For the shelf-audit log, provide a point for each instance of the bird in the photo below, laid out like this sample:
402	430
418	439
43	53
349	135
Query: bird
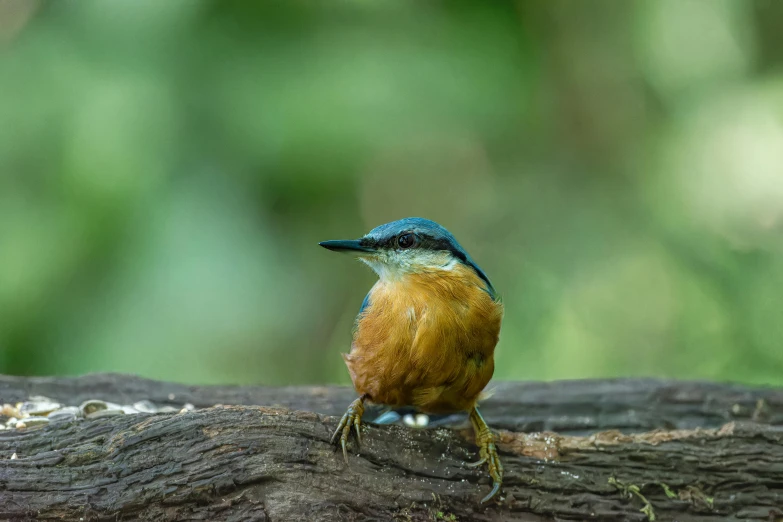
426	332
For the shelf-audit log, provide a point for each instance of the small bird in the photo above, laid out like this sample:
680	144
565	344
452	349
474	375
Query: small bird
426	333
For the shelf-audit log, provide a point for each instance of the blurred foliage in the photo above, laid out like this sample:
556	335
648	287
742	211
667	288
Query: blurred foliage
167	168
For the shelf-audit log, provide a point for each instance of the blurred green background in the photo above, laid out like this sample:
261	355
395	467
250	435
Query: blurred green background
168	167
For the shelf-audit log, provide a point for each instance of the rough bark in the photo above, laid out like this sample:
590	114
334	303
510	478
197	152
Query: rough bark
567	407
268	462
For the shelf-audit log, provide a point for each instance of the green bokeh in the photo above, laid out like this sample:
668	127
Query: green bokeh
167	169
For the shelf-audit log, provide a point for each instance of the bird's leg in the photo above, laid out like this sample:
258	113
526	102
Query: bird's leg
352	417
485	440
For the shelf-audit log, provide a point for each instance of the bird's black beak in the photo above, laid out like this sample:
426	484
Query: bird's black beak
346	245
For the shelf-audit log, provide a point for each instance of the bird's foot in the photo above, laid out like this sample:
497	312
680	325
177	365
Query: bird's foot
352	418
488	452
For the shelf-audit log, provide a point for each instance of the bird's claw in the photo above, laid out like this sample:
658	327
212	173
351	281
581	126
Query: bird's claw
352	418
475	464
488	454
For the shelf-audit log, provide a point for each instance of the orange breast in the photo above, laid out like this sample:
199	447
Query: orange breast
426	340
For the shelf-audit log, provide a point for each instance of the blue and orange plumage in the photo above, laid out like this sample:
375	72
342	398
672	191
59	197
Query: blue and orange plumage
426	333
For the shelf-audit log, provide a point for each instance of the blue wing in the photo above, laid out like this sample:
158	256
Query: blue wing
365	303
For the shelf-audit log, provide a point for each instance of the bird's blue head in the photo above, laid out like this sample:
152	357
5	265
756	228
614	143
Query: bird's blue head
410	245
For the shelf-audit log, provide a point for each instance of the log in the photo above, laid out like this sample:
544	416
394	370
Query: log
623	450
568	407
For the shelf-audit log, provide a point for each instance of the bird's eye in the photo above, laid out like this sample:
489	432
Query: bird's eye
406	240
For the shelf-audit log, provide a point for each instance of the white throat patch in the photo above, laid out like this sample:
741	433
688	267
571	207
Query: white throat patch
395	264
